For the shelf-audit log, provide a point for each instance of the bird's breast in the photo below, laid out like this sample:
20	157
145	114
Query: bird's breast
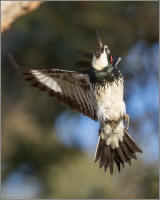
109	98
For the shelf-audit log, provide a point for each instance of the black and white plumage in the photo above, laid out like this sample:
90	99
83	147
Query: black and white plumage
97	93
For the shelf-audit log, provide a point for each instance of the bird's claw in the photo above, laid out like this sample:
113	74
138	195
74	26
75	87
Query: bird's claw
126	118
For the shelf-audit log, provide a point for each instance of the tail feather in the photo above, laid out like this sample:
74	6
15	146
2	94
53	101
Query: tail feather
118	163
118	160
130	143
111	160
124	153
100	147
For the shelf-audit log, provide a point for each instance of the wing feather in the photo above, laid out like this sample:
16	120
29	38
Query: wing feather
69	87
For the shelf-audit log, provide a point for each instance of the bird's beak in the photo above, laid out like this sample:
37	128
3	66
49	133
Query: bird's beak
100	46
99	40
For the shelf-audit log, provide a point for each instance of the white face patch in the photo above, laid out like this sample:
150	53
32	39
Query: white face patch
101	62
46	80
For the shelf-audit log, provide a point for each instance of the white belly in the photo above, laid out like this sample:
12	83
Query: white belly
110	104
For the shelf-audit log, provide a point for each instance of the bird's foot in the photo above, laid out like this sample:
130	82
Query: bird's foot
126	118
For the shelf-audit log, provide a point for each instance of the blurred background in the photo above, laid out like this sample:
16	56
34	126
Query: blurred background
48	149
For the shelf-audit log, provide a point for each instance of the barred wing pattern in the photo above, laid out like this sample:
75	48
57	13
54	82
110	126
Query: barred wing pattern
69	87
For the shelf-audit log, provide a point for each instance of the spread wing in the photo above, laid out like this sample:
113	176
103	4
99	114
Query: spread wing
70	88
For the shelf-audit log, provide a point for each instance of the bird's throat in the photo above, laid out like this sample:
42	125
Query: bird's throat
107	74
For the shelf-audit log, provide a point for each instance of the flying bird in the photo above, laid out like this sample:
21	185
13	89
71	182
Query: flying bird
96	92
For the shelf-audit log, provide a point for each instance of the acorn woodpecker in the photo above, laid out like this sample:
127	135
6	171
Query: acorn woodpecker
96	92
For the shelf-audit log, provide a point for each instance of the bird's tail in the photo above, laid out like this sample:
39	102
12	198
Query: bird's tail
124	153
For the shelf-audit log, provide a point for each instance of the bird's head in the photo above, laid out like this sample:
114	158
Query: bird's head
101	57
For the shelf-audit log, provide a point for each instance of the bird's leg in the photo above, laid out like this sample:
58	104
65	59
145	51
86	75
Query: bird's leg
126	118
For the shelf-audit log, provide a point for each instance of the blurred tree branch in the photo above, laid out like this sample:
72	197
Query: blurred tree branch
11	10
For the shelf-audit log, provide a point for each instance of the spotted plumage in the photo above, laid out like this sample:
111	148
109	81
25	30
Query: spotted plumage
96	92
